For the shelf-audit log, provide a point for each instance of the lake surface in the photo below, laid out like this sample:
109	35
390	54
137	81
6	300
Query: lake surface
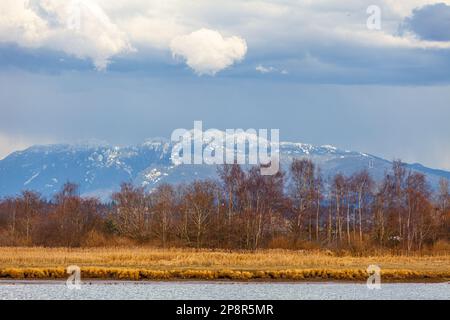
221	290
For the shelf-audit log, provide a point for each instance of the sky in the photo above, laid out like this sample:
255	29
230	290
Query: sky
371	76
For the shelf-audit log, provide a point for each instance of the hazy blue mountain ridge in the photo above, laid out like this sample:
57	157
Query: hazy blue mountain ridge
99	169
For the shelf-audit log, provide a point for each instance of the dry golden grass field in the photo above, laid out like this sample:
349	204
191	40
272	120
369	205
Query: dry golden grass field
143	263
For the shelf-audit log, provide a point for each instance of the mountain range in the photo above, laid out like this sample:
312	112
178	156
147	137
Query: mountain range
99	168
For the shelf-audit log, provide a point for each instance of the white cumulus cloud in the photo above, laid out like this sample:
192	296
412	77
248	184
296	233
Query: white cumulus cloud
207	51
79	27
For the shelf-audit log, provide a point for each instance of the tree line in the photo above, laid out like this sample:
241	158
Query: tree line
243	210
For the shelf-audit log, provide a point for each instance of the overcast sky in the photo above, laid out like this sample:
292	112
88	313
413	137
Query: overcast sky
123	71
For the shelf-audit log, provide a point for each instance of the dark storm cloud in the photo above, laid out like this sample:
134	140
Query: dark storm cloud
430	22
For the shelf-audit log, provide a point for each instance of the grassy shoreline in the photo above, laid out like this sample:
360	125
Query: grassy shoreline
353	275
152	264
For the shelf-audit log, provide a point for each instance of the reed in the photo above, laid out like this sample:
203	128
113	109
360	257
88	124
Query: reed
145	263
288	275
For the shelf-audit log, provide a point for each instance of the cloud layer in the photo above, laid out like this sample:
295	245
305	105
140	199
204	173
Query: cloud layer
322	40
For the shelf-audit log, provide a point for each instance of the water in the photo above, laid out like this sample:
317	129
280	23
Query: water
221	290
